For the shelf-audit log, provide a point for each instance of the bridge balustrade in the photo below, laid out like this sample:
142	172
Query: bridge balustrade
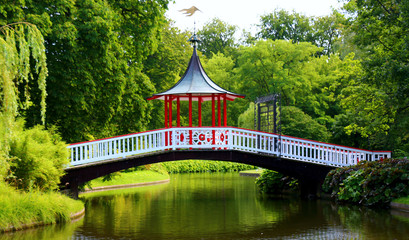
218	139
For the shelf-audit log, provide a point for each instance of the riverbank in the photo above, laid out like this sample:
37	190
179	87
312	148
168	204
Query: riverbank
401	204
21	210
251	173
128	179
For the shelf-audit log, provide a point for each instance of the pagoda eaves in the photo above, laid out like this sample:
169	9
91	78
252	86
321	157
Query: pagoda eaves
197	84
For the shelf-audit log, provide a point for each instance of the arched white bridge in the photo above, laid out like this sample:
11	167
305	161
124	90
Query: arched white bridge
218	139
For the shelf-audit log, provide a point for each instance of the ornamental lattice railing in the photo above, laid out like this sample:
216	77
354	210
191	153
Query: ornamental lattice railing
218	139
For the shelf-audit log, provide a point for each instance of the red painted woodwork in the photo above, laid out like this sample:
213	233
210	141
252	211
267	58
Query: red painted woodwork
219	112
200	111
166	111
178	111
225	110
170	111
213	112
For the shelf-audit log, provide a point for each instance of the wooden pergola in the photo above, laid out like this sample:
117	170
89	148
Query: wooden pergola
195	85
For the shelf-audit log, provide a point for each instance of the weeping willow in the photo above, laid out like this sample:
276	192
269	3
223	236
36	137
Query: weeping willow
22	53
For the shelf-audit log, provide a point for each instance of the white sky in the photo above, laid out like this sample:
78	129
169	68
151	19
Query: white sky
243	13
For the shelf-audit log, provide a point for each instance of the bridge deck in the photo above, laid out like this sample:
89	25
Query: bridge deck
220	138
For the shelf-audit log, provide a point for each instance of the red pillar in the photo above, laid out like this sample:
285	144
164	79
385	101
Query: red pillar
219	112
178	111
166	111
200	110
190	120
213	120
166	120
225	109
170	110
213	111
190	110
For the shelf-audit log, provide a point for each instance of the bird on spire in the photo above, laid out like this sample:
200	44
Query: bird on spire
189	11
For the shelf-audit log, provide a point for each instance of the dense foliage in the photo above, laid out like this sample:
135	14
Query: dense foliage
192	166
321	31
23	70
37	158
271	182
95	52
380	107
217	37
370	183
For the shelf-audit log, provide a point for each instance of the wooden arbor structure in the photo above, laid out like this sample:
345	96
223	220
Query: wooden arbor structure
195	85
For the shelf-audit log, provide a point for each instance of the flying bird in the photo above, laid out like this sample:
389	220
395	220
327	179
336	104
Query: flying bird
189	11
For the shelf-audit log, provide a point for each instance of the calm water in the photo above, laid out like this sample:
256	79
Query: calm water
218	206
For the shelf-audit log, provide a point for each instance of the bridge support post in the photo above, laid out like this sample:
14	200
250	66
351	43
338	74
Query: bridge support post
309	189
72	190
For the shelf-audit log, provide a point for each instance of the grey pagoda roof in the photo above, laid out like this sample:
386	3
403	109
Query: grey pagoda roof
195	82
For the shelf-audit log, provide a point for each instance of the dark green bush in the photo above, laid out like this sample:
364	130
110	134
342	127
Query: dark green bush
273	182
369	183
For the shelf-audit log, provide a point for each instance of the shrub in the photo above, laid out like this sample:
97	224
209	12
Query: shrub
369	183
37	158
190	166
273	182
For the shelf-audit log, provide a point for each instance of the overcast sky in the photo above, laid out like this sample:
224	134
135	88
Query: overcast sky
243	13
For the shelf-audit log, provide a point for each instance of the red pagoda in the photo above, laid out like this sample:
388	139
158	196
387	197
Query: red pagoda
195	85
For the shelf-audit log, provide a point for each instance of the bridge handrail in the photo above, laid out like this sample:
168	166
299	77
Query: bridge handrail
220	138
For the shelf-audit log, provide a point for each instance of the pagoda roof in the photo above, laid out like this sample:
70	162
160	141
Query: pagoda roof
196	83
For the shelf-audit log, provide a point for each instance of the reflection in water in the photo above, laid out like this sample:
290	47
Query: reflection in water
217	206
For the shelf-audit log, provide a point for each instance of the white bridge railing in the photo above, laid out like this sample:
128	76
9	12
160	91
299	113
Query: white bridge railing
220	138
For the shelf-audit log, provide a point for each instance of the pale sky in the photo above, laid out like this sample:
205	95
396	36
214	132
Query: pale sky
243	13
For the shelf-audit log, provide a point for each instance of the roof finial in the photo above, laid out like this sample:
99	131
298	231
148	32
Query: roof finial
189	12
194	39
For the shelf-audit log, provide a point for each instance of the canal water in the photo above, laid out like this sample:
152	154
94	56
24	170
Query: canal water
218	206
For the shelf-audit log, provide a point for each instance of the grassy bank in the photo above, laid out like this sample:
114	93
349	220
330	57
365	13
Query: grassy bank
130	178
21	208
402	200
253	171
191	166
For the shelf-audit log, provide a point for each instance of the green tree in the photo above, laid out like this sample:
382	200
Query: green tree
323	32
379	28
276	66
22	61
217	37
95	53
327	31
294	122
282	25
246	119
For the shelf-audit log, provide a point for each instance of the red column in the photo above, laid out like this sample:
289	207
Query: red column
166	120
219	112
190	119
166	111
178	111
225	109
190	110
213	111
170	110
213	120
200	110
